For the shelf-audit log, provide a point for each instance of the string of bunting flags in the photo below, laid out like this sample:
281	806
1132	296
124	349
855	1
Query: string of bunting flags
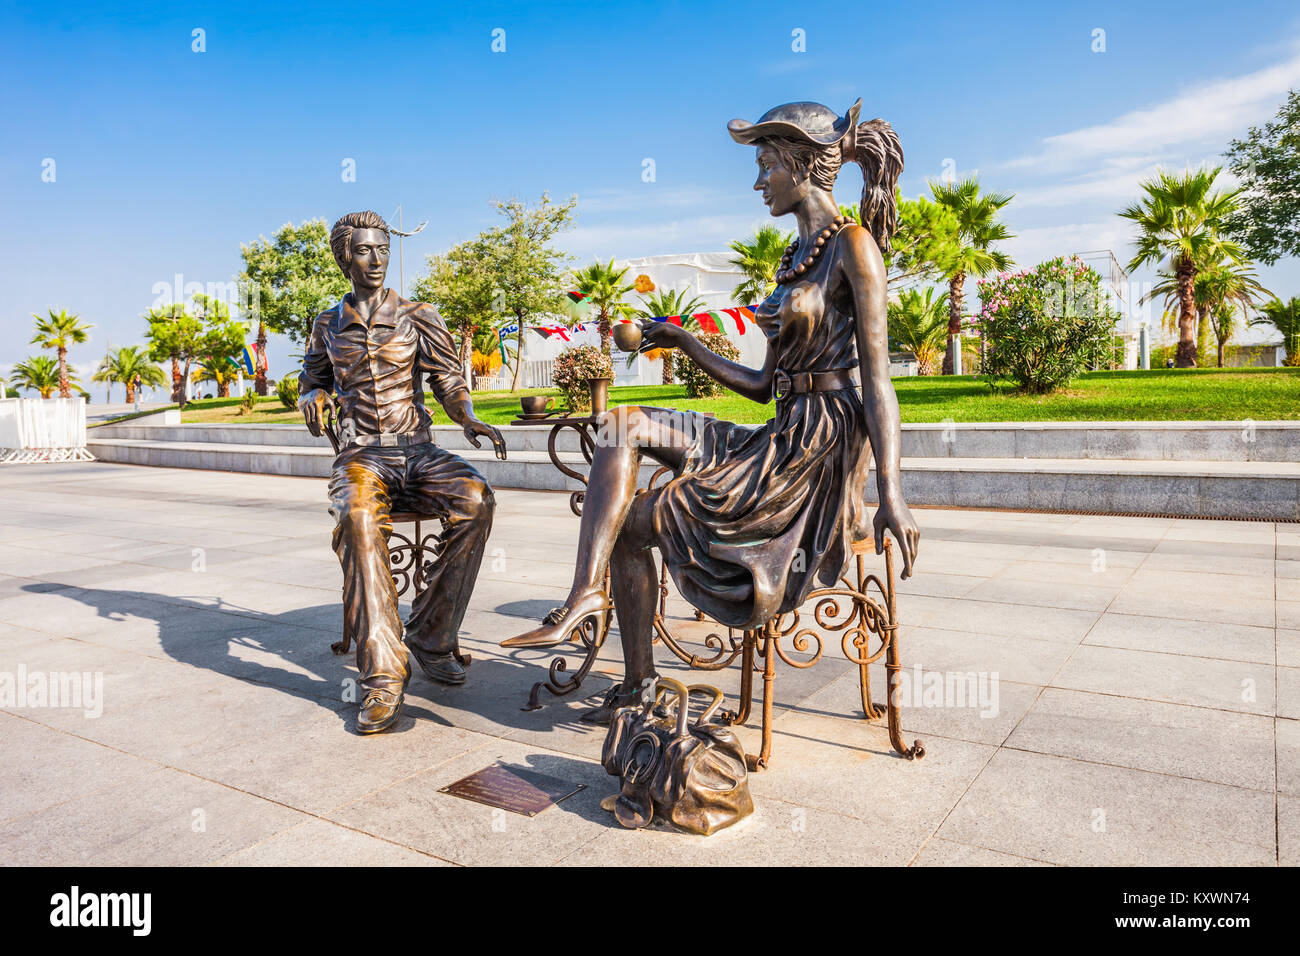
714	321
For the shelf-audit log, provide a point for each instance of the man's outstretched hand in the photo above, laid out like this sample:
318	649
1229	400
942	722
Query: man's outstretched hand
474	428
312	405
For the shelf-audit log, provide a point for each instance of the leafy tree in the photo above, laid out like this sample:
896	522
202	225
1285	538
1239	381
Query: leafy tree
461	284
604	287
208	336
1285	317
918	322
1182	218
58	331
968	252
758	259
40	373
288	281
926	246
170	330
221	341
125	365
665	302
1267	162
528	271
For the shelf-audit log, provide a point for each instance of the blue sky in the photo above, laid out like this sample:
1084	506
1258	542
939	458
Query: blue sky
166	159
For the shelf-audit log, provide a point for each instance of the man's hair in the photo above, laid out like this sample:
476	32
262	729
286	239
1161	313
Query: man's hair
341	234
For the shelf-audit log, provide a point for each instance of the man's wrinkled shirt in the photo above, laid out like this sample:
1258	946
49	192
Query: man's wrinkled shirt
376	366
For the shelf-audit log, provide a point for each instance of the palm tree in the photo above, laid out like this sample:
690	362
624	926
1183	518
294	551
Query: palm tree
604	288
759	259
127	364
1219	290
919	323
59	331
666	302
222	373
40	373
1182	218
1283	316
972	253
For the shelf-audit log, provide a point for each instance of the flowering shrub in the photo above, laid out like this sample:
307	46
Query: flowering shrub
1044	326
698	383
573	368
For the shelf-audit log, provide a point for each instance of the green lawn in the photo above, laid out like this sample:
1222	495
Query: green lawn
1158	395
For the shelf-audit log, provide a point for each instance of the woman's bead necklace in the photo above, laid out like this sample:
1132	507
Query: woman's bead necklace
785	273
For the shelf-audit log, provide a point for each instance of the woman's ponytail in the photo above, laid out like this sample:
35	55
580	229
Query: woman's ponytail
880	154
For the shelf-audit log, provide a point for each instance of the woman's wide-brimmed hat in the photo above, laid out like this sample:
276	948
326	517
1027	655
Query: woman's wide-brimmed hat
809	122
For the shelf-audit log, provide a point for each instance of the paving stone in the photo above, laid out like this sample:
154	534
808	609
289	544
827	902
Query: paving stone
1085	814
1288	829
1288	692
320	843
1232	642
1173	678
1174	739
939	852
161	816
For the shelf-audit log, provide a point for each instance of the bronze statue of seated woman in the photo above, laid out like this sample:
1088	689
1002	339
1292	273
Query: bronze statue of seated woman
756	517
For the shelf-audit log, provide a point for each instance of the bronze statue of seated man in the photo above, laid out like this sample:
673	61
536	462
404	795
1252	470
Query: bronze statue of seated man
375	348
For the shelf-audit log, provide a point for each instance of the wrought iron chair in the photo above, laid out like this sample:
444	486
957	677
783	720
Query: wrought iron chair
860	612
409	556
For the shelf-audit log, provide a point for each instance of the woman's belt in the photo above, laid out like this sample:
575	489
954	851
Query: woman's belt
786	383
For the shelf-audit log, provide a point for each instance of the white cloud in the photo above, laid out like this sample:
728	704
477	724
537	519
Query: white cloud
625	239
1032	246
1205	114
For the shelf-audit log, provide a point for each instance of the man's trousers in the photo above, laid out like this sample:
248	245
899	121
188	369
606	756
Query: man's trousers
368	484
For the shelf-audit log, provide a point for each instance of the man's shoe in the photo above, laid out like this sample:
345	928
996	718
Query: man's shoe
379	711
441	668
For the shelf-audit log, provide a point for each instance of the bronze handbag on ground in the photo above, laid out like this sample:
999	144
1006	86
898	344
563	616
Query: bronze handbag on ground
691	775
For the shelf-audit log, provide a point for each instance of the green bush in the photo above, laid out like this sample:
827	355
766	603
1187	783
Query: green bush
287	391
572	370
1043	327
698	382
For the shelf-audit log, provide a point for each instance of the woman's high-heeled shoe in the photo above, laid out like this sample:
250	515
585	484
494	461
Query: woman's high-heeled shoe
561	622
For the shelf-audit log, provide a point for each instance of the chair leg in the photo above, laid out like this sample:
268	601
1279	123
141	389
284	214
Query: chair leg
769	692
869	707
341	647
893	665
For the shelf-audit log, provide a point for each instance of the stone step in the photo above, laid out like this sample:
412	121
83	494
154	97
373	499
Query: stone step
531	470
1224	489
1101	441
